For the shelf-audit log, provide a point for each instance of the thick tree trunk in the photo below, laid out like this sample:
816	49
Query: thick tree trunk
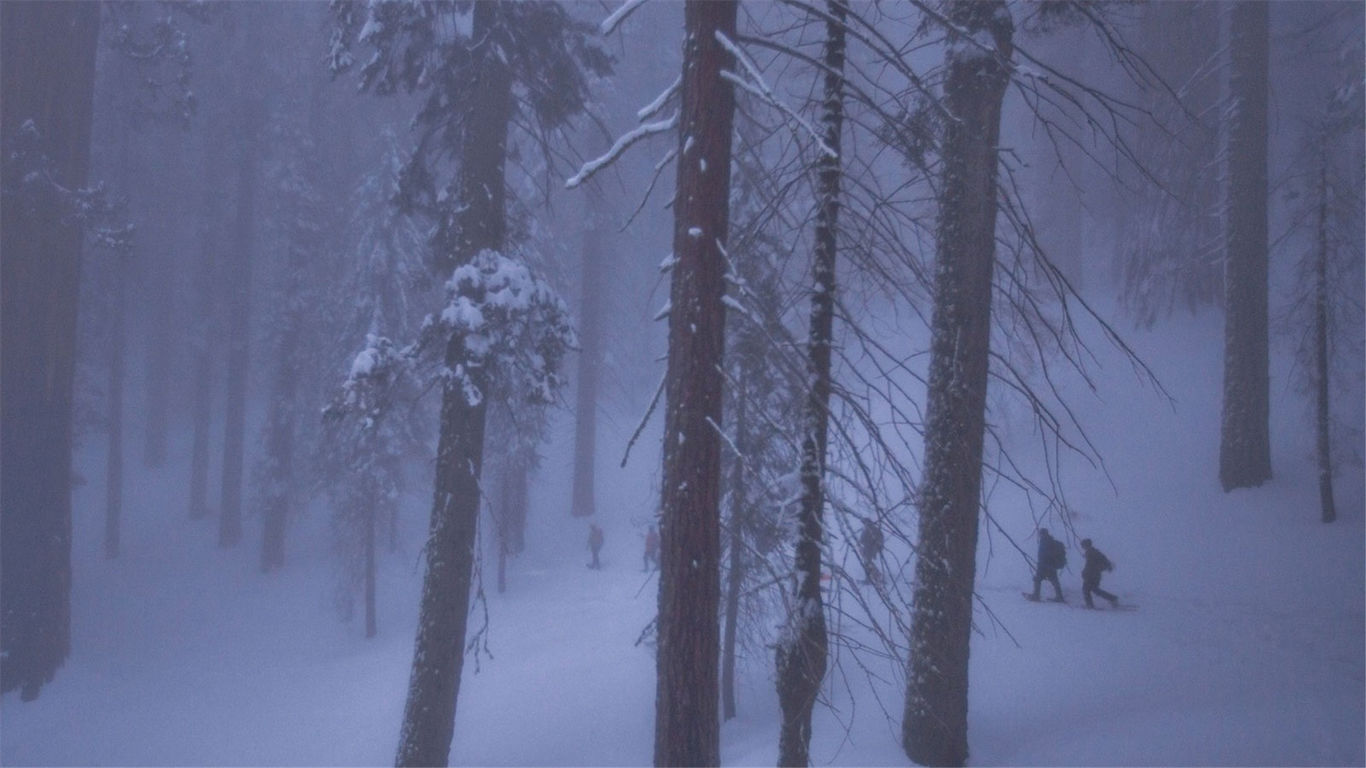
239	328
934	731
686	723
47	75
590	358
434	684
1322	419
1245	440
113	479
802	651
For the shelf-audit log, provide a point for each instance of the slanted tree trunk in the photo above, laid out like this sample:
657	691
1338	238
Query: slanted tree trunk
239	326
590	358
1245	439
434	684
934	730
1321	418
802	650
47	75
686	723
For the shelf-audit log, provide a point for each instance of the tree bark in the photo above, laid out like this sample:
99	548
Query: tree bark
590	358
934	730
686	723
1245	440
1322	418
434	684
47	75
802	652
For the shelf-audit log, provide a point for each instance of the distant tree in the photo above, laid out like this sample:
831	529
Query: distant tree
305	223
47	76
1325	316
358	463
1245	435
977	71
1172	244
250	120
484	68
591	288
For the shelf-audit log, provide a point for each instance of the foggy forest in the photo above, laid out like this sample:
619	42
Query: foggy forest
630	382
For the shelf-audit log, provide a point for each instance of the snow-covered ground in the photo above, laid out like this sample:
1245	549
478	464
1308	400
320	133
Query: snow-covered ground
1246	647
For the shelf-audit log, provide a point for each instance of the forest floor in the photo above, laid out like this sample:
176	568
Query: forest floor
1246	647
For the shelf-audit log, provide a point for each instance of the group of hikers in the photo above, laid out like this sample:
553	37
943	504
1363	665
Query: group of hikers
1052	558
596	539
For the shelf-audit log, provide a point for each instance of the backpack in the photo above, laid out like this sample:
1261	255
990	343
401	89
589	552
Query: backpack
1057	554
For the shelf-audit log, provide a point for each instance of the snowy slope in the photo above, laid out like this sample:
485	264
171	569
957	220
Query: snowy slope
1247	647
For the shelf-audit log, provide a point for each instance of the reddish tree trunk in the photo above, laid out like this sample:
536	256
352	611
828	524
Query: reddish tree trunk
686	722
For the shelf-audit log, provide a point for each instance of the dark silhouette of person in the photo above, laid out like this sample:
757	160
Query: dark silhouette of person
1096	564
1052	557
651	549
870	547
595	539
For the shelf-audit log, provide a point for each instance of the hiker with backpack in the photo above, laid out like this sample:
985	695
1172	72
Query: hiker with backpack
1096	564
1052	558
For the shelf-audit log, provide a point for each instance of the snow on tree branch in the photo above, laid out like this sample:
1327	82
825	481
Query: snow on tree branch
622	144
761	90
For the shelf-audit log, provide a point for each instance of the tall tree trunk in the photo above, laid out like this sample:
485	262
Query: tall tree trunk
47	75
204	349
1322	420
590	357
239	327
802	651
157	374
280	443
434	684
686	723
113	480
735	574
371	619
1245	440
934	731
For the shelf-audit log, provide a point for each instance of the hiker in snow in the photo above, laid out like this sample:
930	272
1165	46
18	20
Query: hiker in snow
651	549
1052	558
870	547
595	544
1096	564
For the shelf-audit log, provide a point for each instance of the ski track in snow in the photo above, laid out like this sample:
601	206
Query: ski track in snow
1247	647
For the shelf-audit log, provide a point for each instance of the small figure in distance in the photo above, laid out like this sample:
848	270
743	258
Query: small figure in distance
1052	558
595	543
651	549
870	547
1096	564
